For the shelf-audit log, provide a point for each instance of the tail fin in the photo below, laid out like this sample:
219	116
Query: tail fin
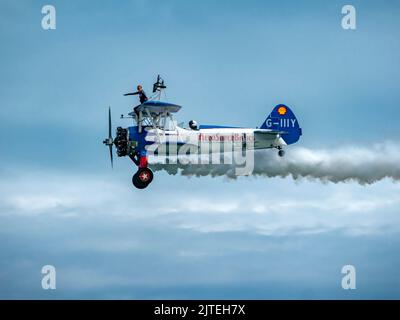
283	119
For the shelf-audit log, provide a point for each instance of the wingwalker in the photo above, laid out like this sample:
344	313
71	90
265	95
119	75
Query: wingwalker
154	129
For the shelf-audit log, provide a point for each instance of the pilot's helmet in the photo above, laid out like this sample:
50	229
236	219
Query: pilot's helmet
193	125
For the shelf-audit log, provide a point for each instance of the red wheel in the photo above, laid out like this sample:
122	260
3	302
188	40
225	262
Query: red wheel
142	178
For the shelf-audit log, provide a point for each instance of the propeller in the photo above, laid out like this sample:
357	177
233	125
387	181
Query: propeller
109	141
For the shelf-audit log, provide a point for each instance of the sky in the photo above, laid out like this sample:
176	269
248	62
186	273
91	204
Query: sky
187	237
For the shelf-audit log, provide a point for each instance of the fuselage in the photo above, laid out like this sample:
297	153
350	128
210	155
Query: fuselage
204	140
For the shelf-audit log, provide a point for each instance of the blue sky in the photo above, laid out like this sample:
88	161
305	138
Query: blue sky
225	62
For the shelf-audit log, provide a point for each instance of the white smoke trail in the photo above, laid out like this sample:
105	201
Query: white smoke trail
364	165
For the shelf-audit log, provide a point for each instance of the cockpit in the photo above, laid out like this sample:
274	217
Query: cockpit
156	114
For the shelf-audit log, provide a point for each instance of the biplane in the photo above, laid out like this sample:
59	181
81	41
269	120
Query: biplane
154	126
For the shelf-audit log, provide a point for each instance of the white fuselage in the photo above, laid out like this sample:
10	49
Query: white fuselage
211	140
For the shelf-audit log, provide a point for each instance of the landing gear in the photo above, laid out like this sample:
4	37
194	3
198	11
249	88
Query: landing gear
142	178
281	152
135	158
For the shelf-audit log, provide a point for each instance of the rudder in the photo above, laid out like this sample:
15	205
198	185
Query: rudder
283	119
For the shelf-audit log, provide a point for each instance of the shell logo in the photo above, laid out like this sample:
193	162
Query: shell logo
282	111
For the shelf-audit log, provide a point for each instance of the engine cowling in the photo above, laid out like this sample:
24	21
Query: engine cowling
121	142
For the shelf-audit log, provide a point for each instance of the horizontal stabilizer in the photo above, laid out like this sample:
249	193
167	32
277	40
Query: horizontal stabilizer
269	131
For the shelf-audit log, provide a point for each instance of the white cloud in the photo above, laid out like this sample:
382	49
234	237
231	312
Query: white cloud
247	204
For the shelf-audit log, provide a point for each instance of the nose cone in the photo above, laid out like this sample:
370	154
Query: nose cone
108	141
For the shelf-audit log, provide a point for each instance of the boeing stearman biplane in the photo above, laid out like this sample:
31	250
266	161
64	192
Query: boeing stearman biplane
154	126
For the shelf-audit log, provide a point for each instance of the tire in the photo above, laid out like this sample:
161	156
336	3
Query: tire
281	153
137	183
142	178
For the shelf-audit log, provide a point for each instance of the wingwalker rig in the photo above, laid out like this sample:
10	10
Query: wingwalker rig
131	141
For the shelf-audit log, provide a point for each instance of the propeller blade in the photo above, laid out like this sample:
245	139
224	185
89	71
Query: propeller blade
109	141
111	156
130	94
109	122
